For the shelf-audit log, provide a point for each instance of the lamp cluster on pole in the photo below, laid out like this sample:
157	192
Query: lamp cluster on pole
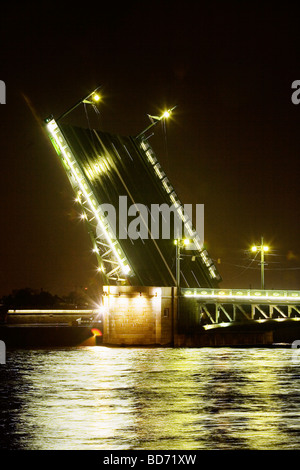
262	249
94	96
155	119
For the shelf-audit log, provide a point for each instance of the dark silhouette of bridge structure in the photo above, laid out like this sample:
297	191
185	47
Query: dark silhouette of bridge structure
106	169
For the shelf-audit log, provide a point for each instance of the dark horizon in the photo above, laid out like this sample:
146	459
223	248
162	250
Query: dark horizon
232	144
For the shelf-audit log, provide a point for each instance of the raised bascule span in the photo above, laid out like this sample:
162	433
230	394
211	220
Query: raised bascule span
106	169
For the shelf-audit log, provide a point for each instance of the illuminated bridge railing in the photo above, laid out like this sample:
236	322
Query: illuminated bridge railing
251	295
216	306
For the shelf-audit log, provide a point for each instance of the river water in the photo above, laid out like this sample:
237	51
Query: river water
104	398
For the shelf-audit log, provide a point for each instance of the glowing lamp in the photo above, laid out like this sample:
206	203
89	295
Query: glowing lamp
166	114
96	97
126	269
96	332
262	249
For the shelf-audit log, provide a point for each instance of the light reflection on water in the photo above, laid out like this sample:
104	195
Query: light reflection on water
151	399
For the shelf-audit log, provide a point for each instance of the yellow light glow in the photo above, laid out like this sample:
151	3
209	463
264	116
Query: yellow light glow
285	296
266	248
126	269
96	97
254	248
186	241
166	114
84	189
96	332
53	311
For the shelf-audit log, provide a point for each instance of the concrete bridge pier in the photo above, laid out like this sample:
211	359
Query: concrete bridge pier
139	316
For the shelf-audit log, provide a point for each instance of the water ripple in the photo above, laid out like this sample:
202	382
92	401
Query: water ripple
151	399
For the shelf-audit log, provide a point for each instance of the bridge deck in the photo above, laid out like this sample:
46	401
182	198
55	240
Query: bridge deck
243	295
227	306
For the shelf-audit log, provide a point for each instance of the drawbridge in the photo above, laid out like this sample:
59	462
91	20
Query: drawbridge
115	178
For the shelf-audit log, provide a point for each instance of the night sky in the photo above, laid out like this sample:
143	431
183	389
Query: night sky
232	144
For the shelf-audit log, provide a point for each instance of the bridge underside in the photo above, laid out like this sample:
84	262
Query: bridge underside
110	169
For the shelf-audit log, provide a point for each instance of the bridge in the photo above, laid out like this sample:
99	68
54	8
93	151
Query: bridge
226	306
112	171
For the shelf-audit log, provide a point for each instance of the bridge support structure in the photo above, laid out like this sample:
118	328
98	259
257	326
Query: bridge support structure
139	316
158	316
233	315
144	316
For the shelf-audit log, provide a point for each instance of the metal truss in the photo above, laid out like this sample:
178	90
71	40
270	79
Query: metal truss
112	263
217	306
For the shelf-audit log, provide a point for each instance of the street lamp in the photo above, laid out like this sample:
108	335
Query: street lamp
262	249
180	243
91	98
155	119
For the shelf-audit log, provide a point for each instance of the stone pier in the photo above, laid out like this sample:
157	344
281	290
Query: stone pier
139	315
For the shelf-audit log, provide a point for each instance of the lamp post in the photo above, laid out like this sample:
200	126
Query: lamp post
93	95
262	249
180	243
155	120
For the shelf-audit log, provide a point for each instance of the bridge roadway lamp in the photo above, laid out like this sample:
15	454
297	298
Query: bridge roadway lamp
91	98
262	249
180	243
155	119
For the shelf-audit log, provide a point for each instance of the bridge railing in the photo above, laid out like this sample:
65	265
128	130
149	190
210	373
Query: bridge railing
226	306
248	295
